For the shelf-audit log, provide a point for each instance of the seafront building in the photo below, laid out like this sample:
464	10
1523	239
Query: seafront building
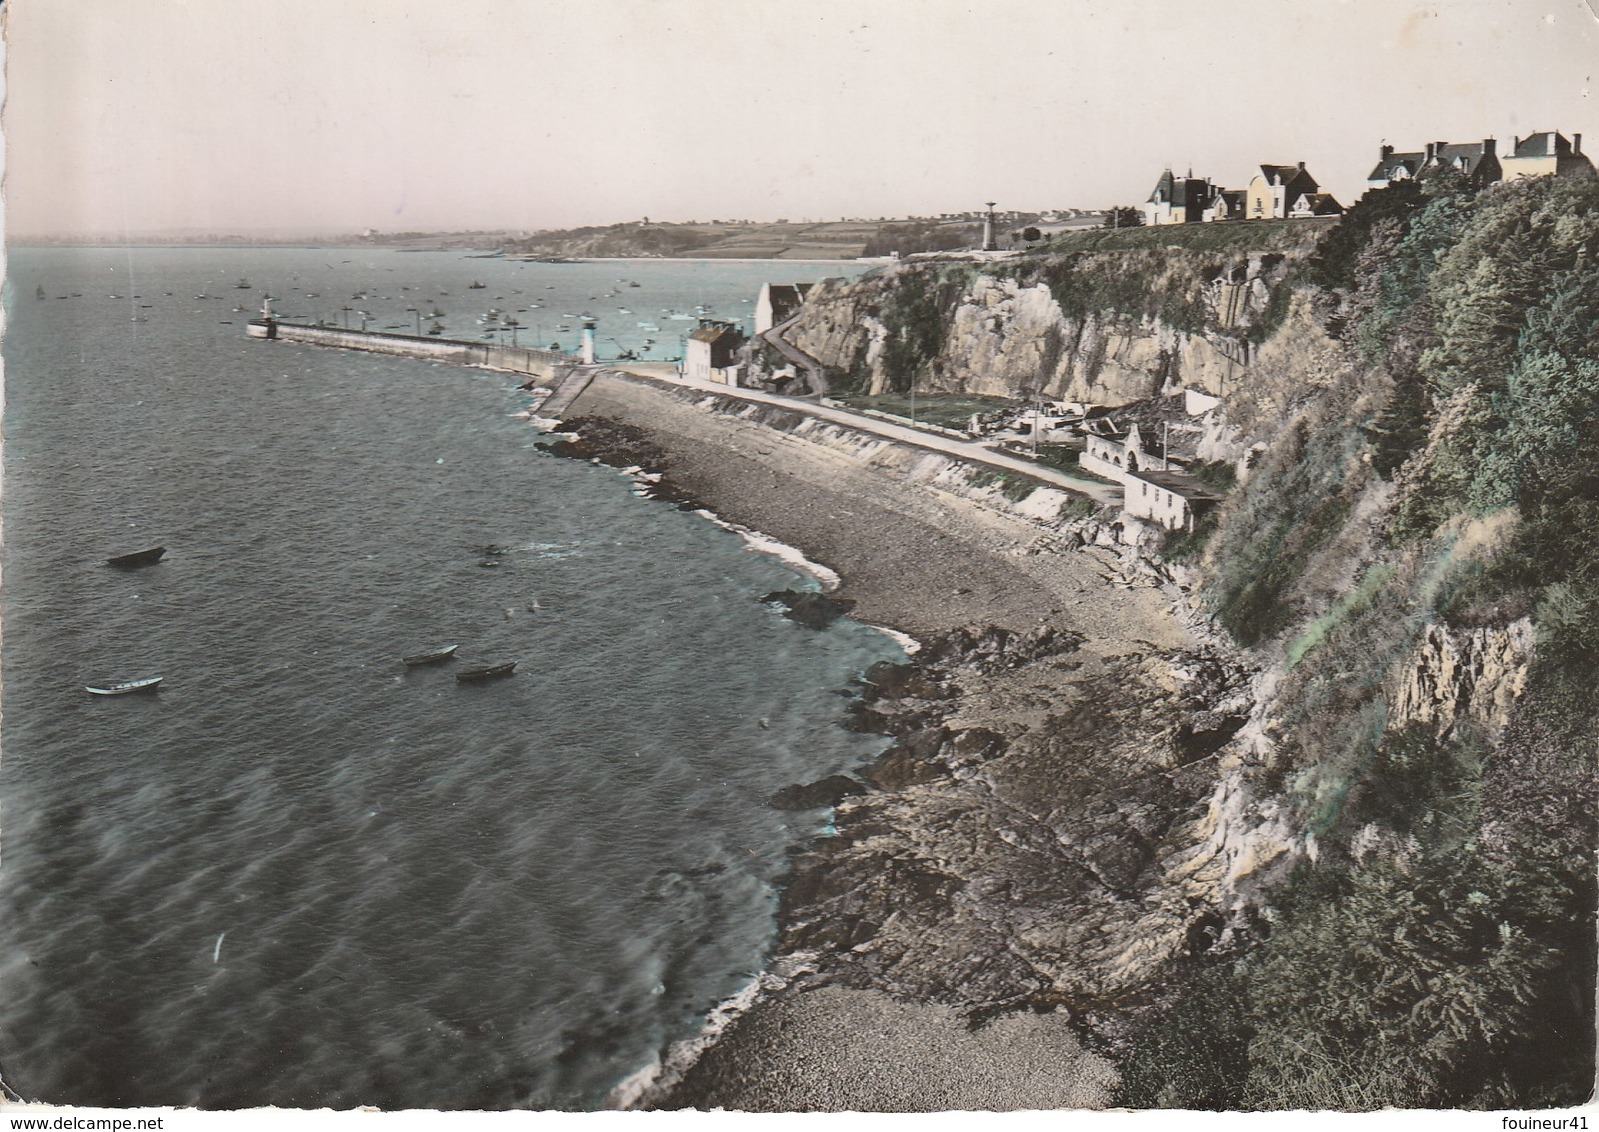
712	352
1173	499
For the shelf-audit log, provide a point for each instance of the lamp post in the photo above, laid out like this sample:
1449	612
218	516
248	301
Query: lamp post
417	311
346	316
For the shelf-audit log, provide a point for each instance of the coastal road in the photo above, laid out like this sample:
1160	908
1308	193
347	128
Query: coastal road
1104	494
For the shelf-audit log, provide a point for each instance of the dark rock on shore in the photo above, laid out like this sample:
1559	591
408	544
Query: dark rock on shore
809	608
610	442
995	649
933	753
829	791
617	445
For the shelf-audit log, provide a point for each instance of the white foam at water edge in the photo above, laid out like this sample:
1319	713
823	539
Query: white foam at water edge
766	544
904	640
656	1078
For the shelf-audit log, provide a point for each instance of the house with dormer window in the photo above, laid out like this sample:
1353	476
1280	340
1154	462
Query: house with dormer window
1273	191
1178	200
1315	204
1476	162
1225	204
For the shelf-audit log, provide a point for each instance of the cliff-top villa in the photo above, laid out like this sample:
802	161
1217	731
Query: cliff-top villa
1179	200
1290	192
1277	192
1548	153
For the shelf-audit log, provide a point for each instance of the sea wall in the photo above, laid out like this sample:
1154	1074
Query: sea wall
1013	494
514	359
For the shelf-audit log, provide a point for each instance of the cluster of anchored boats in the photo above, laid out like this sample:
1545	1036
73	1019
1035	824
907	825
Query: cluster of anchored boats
476	674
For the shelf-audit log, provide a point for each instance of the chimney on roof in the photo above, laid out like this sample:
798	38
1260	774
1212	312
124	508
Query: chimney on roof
1488	147
1576	144
1387	152
1552	138
1301	166
1515	142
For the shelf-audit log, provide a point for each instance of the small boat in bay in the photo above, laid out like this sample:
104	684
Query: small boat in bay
482	672
137	558
433	657
124	687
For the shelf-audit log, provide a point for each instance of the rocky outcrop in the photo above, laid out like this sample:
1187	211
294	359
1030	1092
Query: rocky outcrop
1460	676
1015	856
1001	330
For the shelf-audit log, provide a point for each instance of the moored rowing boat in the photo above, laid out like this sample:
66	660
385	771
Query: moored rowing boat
124	687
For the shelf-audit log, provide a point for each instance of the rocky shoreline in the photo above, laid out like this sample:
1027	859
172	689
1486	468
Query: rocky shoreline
1001	879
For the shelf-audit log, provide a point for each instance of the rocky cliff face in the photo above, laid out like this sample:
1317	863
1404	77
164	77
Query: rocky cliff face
1001	329
1458	677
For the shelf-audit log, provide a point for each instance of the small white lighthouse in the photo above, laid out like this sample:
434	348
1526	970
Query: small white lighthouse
267	325
586	351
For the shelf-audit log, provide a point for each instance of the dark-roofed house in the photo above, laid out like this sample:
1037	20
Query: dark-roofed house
1477	162
1274	189
1226	204
712	352
1546	153
1178	200
1315	204
1394	167
1173	499
778	302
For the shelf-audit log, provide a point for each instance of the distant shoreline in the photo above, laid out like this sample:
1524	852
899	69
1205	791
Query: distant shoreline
517	258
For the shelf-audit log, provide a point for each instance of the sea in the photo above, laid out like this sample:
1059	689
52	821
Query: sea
301	874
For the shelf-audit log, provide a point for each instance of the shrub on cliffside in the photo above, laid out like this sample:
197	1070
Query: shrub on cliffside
916	318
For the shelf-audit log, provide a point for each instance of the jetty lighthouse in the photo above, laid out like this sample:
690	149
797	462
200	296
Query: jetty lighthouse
586	351
988	228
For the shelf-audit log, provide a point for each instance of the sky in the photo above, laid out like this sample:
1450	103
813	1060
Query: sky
143	116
